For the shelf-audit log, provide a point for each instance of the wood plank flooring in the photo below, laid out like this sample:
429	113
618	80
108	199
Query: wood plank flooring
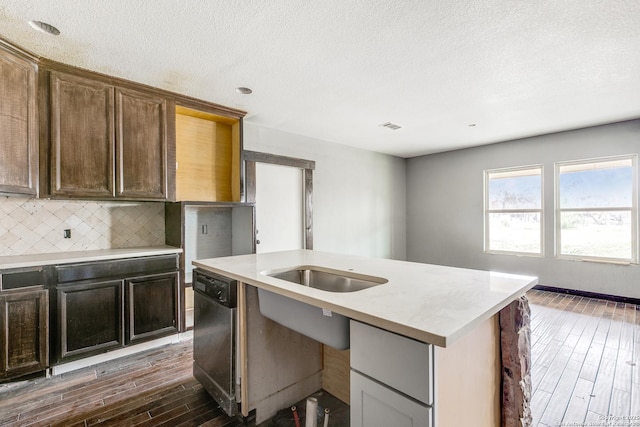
585	361
585	368
152	388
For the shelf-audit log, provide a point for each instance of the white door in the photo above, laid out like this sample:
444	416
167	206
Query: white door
279	208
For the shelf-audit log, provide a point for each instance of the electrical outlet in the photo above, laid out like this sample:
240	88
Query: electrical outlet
67	233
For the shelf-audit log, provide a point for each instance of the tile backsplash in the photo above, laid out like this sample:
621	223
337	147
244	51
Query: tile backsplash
33	226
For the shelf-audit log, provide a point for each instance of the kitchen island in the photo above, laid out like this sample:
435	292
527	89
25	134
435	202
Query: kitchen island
454	312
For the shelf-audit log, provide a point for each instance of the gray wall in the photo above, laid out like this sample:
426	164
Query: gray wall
445	207
359	197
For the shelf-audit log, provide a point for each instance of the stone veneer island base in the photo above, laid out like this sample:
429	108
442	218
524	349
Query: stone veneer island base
515	342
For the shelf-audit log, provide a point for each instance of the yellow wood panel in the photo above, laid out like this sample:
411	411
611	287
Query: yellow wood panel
204	115
469	372
236	150
204	155
335	372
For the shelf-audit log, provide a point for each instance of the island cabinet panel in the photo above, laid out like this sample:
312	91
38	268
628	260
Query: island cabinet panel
468	374
18	123
152	306
392	378
141	145
90	318
278	366
373	404
24	329
397	361
82	137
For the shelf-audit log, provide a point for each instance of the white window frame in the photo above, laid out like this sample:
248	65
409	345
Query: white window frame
633	210
488	211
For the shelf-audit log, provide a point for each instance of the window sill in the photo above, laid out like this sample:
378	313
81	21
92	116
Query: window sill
600	261
518	254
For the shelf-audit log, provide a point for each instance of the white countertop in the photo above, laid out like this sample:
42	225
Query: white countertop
430	303
22	261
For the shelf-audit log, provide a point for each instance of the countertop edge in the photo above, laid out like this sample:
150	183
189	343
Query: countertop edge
489	313
416	334
35	260
402	329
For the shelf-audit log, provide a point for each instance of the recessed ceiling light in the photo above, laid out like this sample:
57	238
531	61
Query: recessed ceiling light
390	125
243	90
44	27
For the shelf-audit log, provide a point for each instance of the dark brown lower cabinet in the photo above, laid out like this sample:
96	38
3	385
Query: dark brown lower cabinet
152	306
90	318
102	306
24	326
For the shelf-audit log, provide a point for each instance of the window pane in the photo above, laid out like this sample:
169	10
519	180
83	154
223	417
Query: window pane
596	187
596	234
515	192
514	232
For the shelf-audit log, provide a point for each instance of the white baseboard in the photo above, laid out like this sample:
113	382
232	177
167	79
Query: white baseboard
126	351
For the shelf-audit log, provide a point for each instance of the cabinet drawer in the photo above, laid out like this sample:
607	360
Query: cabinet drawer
373	404
400	362
22	278
116	268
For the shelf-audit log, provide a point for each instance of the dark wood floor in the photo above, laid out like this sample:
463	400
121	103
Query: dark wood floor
152	388
585	361
585	367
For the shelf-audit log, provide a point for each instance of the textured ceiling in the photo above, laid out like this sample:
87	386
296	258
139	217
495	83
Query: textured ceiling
335	70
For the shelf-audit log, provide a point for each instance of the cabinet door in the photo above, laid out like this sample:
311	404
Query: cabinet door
376	352
141	145
82	137
374	405
90	318
24	326
18	124
152	306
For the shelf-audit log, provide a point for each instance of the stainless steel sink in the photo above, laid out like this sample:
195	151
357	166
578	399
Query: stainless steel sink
322	325
328	280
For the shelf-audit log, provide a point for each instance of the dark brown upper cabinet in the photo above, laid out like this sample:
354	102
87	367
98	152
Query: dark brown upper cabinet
106	141
82	137
18	122
141	145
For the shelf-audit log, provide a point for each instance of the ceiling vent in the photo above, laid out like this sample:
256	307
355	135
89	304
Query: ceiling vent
390	125
44	27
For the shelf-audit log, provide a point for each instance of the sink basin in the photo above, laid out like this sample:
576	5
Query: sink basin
322	325
328	280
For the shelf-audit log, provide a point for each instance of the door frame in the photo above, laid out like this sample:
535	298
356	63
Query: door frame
308	166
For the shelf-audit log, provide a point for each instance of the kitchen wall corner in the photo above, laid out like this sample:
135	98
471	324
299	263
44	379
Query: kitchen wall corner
359	196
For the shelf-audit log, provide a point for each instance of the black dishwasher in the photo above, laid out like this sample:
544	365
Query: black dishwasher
214	337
